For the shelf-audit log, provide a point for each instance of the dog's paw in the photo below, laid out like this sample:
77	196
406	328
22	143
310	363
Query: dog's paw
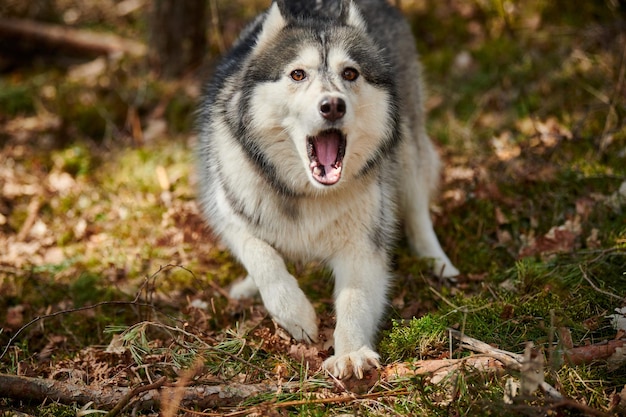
296	315
246	288
352	363
445	269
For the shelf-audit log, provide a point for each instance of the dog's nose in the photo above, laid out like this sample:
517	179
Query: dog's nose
333	108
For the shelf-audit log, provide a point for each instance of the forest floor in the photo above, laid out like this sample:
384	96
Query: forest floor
113	292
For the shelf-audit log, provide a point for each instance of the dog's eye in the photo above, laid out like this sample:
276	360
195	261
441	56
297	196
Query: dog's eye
350	74
298	75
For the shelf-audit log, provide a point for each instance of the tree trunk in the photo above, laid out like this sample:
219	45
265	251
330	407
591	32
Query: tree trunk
177	36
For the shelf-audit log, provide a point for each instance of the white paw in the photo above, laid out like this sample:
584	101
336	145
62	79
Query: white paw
352	363
246	288
444	268
294	314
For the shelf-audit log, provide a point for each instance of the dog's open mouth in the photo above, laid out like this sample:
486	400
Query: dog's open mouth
326	152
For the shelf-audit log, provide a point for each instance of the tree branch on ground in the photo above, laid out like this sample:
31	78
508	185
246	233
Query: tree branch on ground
77	40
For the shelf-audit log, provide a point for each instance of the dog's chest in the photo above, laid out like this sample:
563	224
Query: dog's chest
318	228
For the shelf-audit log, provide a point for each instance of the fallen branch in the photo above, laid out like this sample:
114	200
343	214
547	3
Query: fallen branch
580	355
81	41
511	360
439	369
106	398
275	406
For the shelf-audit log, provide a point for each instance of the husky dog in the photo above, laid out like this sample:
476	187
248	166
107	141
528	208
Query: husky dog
312	147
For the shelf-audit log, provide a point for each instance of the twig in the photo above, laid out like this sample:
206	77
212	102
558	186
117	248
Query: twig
510	359
123	402
134	302
601	291
33	211
69	311
569	403
170	404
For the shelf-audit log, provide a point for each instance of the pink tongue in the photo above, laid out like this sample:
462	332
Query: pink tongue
327	148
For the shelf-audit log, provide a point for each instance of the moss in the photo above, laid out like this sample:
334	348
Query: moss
56	410
75	160
419	339
16	99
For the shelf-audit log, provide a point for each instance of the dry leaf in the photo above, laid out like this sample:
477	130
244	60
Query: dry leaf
617	200
307	354
505	147
459	173
592	241
559	239
61	182
544	134
617	359
116	346
501	218
15	317
589	353
47	351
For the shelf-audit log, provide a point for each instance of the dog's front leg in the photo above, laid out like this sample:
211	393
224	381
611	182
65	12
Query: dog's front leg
360	298
279	290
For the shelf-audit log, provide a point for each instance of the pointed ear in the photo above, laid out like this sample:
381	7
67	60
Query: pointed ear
274	22
284	9
351	15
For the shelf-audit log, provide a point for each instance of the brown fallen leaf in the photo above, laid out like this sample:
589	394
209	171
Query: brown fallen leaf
15	317
309	354
599	351
559	239
617	359
505	146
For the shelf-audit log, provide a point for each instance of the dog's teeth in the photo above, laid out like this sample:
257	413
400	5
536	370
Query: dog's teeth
317	171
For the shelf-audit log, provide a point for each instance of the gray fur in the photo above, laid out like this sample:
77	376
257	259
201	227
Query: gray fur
259	192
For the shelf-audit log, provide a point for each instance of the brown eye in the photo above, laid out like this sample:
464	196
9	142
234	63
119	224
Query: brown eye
298	75
350	74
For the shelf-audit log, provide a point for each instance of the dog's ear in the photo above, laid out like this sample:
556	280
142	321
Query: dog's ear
274	22
350	14
286	11
342	11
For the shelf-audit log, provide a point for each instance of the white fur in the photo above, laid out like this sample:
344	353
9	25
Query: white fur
418	182
333	224
274	22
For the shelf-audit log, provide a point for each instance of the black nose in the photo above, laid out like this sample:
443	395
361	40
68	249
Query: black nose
333	108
